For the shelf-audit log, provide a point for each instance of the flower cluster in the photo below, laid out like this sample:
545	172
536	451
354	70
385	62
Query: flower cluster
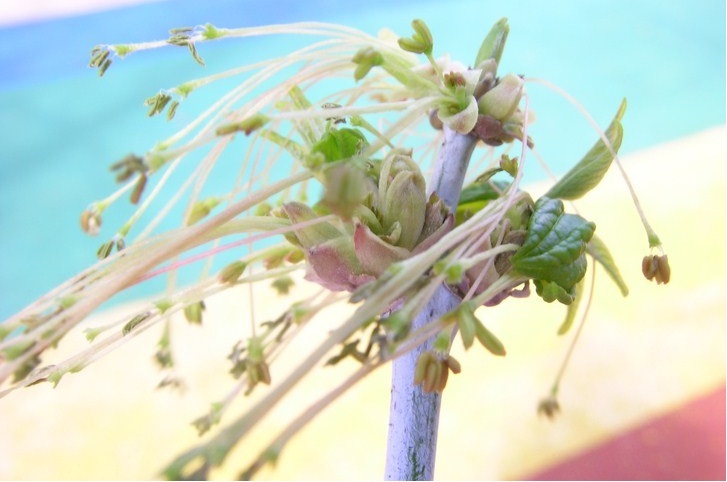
391	219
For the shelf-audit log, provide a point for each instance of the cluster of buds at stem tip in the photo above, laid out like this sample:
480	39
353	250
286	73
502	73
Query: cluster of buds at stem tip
656	268
481	103
432	371
388	218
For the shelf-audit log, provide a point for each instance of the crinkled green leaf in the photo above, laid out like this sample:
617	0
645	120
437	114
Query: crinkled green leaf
585	175
337	144
600	253
554	249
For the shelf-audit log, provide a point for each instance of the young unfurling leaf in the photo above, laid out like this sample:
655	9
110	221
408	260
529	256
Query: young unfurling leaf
585	175
600	253
494	43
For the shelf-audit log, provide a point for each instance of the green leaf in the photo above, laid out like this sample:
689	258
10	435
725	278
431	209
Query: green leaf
554	250
484	190
475	196
585	175
337	144
494	43
600	253
570	314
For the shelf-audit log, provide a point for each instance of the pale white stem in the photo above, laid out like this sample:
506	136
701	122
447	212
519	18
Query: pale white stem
413	414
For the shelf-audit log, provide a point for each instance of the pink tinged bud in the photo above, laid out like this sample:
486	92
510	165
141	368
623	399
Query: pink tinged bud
502	100
334	266
374	254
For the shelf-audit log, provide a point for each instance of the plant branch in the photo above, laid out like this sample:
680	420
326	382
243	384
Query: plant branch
413	414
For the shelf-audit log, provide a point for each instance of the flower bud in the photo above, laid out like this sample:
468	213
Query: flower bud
201	209
549	407
432	378
432	371
405	202
232	272
502	100
283	284
193	312
91	221
656	268
420	42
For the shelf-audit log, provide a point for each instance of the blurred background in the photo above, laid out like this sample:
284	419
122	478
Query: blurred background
657	354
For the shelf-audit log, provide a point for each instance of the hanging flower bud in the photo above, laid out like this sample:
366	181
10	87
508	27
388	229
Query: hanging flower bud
549	407
91	221
432	371
656	268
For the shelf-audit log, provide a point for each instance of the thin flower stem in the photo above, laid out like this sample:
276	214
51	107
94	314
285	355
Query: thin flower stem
276	446
118	281
653	238
574	341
